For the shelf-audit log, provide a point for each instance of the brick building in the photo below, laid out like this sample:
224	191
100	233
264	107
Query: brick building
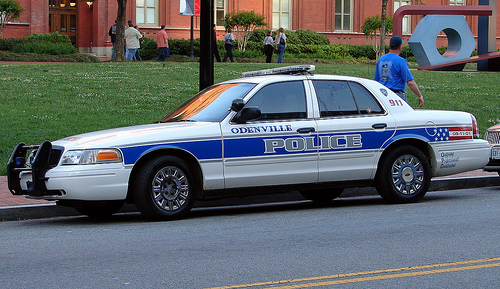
87	23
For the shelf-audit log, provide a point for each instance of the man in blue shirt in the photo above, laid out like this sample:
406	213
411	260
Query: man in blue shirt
393	72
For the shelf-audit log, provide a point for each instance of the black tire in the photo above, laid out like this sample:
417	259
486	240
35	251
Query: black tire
403	175
322	195
99	210
164	188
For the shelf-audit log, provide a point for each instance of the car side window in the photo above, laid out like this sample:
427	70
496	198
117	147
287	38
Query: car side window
285	100
338	98
364	99
335	98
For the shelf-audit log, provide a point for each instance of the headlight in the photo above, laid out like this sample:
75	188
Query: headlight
89	157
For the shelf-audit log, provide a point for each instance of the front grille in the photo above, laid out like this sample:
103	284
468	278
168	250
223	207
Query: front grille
493	137
55	155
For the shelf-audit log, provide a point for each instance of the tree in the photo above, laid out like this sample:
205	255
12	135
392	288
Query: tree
9	10
120	29
372	29
383	24
243	24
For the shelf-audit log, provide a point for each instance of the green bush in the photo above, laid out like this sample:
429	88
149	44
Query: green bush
45	48
361	51
9	43
309	37
148	49
258	35
53	44
54	37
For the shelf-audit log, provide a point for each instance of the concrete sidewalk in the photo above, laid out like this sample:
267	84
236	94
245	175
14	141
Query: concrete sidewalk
19	207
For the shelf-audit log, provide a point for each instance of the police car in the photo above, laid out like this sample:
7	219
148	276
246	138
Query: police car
271	131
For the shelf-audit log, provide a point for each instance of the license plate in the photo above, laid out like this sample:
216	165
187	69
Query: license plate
495	153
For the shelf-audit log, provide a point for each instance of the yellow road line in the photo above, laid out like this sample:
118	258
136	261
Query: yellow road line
363	279
391	276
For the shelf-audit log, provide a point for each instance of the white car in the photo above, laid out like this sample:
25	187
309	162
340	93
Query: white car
274	130
492	135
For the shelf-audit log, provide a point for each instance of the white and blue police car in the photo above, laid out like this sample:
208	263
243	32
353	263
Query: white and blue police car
271	131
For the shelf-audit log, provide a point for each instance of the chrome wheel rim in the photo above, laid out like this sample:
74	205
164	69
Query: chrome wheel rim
407	174
170	189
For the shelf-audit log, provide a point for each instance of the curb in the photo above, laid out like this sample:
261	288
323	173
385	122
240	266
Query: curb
26	212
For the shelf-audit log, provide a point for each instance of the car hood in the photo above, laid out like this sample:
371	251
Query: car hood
141	134
494	128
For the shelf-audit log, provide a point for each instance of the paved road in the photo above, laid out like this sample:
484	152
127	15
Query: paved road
410	246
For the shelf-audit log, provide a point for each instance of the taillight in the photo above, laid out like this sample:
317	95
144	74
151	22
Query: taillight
475	127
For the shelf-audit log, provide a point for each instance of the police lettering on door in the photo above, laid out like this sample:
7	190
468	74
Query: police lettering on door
326	142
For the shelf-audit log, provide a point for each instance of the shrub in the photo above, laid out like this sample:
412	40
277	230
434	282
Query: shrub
45	48
148	49
53	44
9	43
54	37
310	37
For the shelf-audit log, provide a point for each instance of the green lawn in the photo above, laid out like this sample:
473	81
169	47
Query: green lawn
51	100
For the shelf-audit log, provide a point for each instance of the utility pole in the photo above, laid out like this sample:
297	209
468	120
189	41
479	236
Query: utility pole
206	57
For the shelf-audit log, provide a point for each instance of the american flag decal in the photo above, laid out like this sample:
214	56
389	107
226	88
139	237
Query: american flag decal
453	133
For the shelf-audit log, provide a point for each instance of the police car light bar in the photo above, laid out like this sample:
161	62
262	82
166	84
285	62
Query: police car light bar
294	69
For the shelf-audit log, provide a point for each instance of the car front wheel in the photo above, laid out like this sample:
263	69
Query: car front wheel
404	175
164	188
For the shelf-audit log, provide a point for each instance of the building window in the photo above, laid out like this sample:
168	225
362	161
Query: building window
457	2
282	16
406	21
343	15
220	11
145	12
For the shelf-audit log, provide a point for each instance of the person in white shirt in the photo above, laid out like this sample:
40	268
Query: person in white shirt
132	40
269	46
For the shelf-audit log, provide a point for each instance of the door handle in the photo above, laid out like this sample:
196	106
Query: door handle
306	130
379	125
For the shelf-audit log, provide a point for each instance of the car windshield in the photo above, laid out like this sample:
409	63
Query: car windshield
211	104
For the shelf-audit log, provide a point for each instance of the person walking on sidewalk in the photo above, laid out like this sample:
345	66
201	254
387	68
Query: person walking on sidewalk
228	45
162	44
132	39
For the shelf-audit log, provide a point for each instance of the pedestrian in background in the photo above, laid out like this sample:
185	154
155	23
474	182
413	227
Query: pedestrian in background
281	44
269	46
162	44
228	45
112	34
141	41
393	71
215	50
132	40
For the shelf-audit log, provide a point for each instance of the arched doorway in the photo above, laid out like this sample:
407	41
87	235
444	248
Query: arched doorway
63	18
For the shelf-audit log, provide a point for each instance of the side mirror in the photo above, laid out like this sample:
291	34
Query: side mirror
246	114
237	104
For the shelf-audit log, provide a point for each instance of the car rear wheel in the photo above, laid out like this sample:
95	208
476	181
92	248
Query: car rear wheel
322	195
404	175
164	188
